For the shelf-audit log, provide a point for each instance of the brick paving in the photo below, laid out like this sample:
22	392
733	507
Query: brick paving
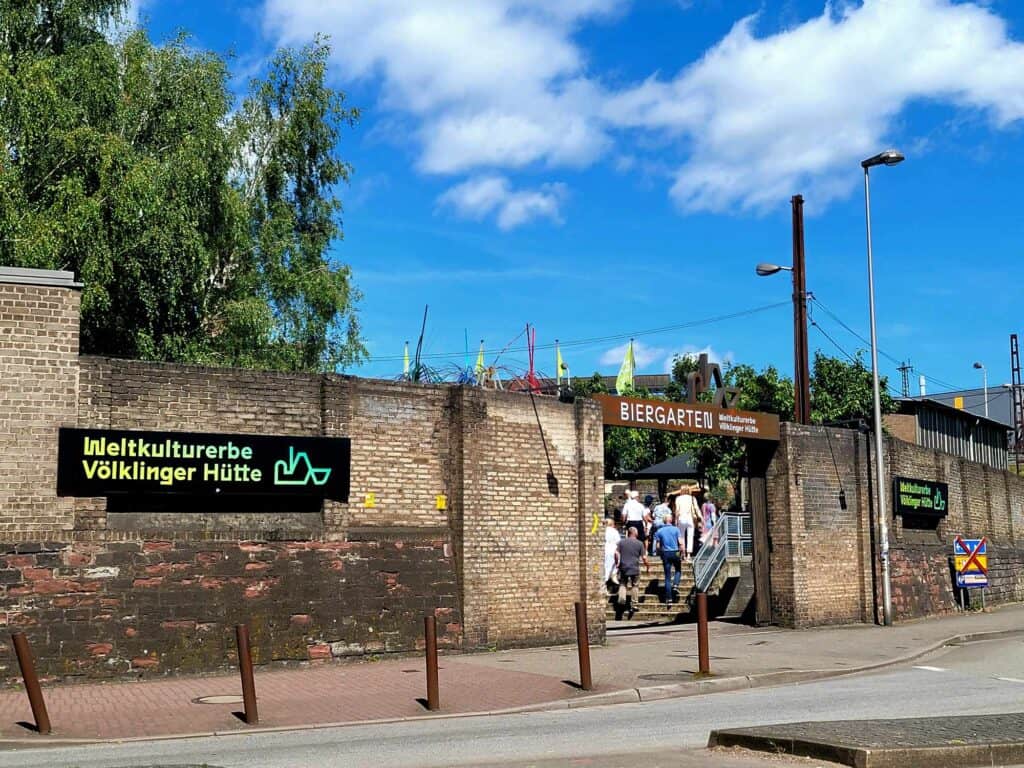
325	693
909	733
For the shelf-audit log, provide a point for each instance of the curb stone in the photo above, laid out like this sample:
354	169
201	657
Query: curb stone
623	696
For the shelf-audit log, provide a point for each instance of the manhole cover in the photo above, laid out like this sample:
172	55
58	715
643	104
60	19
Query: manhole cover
229	699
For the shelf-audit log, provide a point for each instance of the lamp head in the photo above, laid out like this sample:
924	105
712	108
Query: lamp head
889	157
763	269
979	366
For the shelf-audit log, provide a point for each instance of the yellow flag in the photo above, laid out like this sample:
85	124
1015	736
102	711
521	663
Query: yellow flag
405	367
479	369
624	381
560	366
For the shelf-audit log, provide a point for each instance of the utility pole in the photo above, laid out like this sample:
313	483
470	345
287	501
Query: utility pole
801	364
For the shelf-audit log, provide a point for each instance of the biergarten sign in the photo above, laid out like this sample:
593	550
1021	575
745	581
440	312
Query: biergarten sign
920	497
696	418
104	462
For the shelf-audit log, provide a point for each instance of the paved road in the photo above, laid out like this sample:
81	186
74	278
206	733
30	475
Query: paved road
978	678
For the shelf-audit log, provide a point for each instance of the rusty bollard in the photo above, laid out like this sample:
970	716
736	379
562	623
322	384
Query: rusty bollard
28	674
583	646
430	636
703	654
245	668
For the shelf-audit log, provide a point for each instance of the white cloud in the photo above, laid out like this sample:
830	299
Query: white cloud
493	83
795	111
491	86
483	196
643	354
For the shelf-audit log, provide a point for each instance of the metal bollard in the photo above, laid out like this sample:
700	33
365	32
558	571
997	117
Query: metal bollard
583	646
703	653
252	716
28	674
430	635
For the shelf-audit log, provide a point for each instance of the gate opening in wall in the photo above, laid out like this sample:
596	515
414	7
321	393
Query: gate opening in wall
732	563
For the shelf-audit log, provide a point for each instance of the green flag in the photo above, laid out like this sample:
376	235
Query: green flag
624	381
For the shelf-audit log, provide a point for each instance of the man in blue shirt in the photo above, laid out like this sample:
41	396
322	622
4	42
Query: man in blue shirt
668	541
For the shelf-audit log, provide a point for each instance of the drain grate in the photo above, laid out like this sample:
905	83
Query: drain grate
224	699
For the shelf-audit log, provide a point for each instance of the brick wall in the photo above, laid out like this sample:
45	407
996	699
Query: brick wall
450	511
523	541
983	501
821	569
38	385
823	566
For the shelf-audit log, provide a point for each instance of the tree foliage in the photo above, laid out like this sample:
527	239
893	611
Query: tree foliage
841	391
200	228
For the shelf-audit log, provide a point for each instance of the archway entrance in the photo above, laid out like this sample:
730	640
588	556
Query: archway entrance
759	433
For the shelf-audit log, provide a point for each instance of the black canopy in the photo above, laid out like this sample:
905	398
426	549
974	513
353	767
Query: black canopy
679	466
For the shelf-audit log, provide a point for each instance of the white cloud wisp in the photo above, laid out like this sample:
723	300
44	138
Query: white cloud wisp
483	196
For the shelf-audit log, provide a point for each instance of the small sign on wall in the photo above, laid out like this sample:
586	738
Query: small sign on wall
920	497
442	502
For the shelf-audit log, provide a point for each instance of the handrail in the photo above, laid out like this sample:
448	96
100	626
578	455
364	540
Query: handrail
712	554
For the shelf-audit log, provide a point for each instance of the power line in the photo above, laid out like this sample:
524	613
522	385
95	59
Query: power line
848	356
600	339
884	354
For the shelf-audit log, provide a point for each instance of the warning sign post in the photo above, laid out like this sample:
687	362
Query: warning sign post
970	557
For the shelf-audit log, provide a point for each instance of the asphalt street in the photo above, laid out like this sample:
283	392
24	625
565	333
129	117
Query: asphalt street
978	678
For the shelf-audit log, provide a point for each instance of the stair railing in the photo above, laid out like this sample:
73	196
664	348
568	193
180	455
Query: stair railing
712	554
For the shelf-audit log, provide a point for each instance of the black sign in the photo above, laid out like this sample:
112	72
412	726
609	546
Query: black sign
920	497
104	462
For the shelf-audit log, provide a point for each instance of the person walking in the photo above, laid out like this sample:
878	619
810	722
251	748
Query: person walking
686	513
628	556
612	537
709	515
669	540
633	514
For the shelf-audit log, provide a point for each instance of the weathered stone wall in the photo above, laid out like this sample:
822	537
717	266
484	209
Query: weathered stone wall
450	512
824	565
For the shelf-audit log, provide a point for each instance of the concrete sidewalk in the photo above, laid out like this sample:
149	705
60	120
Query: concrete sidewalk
633	666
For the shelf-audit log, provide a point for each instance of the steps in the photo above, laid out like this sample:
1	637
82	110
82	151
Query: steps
651	606
651	609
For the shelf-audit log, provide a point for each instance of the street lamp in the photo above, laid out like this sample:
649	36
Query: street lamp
889	157
801	366
984	383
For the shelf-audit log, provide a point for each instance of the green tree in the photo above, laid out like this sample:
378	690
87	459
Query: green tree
125	165
841	391
720	459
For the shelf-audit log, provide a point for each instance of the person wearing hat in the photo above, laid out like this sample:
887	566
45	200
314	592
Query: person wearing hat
633	513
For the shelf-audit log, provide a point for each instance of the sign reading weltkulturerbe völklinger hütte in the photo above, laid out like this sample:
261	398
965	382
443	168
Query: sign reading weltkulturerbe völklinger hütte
104	462
920	497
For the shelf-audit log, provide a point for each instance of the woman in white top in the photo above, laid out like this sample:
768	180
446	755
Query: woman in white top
686	510
611	543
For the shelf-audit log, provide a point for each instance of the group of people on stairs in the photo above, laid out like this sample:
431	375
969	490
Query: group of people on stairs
672	530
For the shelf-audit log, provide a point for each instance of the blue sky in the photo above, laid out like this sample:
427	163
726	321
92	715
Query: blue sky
603	167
